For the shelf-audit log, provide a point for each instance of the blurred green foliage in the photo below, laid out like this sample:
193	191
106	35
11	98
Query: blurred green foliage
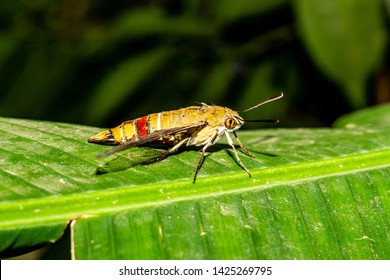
102	62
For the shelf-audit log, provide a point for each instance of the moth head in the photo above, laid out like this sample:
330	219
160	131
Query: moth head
233	121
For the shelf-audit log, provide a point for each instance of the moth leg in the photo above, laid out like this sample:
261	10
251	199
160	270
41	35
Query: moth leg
242	146
166	153
230	141
208	144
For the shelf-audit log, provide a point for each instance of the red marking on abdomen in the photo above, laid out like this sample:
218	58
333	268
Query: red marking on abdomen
142	126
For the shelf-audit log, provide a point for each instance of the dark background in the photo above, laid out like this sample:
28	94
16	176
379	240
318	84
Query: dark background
102	62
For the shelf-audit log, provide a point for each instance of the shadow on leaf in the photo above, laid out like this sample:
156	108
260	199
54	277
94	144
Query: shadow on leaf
145	155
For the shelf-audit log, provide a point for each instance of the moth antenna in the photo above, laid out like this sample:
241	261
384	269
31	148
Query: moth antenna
263	102
266	121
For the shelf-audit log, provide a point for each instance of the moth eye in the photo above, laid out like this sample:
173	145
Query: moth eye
230	123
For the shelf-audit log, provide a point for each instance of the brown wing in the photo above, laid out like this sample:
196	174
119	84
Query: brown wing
149	138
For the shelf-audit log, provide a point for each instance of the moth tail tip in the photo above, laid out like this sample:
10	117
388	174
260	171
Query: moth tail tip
105	137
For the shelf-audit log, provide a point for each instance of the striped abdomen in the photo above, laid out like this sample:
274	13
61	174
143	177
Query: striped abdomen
126	130
134	129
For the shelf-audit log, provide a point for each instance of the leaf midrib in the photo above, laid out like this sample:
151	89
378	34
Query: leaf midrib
63	208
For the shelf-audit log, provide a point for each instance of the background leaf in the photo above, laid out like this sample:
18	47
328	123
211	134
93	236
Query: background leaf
119	85
378	116
94	63
228	11
345	38
314	194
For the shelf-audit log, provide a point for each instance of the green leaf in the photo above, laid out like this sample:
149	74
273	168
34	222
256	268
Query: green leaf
216	82
373	116
44	85
122	82
150	21
345	38
313	194
228	11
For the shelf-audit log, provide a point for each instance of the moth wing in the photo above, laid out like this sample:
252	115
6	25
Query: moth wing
148	138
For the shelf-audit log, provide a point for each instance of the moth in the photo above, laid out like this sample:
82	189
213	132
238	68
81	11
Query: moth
200	125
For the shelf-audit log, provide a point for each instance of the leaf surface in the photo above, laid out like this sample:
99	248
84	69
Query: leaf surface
313	194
